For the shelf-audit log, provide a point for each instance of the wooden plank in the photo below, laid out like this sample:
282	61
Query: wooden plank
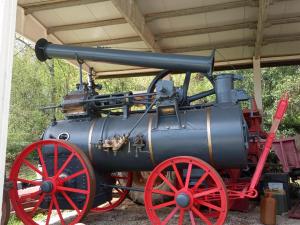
78	26
108	42
48	5
202	9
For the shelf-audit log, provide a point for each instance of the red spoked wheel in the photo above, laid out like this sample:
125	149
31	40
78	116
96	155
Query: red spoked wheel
199	195
119	195
54	186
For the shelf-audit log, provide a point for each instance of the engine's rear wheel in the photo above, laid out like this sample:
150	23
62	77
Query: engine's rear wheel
139	180
119	195
56	186
200	196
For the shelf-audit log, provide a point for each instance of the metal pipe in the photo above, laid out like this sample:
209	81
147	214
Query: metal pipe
45	50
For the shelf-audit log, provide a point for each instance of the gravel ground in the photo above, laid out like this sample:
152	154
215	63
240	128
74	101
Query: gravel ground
131	214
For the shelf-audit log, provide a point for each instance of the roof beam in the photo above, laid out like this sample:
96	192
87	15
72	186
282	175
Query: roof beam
262	17
206	30
132	14
108	42
281	38
202	9
47	5
230	44
78	26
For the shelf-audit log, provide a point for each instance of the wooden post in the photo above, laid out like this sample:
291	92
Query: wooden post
7	38
257	83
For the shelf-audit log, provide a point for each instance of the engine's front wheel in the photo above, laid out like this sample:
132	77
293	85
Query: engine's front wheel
63	167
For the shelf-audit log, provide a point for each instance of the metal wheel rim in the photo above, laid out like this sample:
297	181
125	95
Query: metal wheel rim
108	206
87	170
193	192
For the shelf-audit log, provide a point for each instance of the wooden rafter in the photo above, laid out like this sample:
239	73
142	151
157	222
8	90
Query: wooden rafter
205	30
108	42
47	5
78	26
202	9
132	14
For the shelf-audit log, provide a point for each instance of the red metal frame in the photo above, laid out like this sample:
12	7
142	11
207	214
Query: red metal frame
249	190
123	179
18	200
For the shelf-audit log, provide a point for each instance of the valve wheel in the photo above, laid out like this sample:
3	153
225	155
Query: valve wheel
199	194
53	184
119	195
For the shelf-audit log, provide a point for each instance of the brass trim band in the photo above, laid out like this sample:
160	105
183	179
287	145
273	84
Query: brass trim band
150	139
208	129
90	139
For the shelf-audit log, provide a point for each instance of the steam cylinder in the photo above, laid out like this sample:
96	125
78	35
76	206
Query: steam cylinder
217	134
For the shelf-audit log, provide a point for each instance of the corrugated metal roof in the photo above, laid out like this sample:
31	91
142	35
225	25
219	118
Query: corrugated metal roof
176	26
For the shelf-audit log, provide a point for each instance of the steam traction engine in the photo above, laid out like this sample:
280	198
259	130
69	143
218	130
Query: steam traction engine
183	143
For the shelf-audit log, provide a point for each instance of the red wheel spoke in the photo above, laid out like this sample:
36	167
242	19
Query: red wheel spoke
80	191
58	209
73	176
192	218
167	182
29	196
211	198
49	212
38	203
55	161
201	216
167	219
70	201
163	205
188	175
42	160
181	217
156	191
65	165
200	181
27	163
179	179
35	183
207	192
33	198
209	205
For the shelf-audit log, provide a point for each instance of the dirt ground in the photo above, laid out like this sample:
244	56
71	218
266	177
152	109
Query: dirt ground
131	214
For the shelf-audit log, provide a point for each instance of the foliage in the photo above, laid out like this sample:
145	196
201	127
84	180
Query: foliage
33	87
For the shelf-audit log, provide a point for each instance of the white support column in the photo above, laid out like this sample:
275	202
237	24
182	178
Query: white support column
257	83
7	37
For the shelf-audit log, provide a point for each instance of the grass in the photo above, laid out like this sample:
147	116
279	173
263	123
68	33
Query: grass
14	220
